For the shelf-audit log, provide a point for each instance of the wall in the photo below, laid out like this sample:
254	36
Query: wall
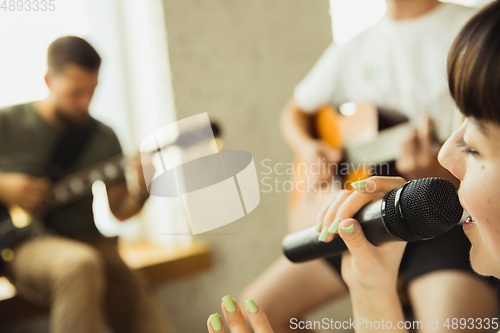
239	61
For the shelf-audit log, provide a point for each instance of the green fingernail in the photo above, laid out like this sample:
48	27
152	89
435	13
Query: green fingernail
323	235
215	321
251	306
359	184
334	227
228	303
349	229
319	225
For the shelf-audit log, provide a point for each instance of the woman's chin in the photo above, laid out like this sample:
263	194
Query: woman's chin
481	258
476	263
481	264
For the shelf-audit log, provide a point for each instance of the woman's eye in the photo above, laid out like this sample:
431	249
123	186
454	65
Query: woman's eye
470	151
466	148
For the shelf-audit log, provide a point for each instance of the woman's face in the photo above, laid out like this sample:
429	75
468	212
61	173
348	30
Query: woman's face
472	154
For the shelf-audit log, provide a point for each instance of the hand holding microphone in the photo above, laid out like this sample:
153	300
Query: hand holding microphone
387	212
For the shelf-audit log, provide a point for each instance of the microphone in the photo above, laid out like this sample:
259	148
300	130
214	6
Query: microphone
417	210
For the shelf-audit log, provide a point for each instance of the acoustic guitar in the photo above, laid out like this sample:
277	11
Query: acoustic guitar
370	139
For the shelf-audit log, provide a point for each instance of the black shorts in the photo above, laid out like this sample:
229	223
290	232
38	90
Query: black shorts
447	251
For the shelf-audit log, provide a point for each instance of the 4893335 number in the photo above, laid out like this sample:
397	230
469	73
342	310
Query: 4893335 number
28	5
471	323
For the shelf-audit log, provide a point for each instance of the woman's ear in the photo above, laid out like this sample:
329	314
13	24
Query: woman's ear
48	79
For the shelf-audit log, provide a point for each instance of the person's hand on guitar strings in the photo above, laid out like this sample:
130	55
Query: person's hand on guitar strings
419	153
25	191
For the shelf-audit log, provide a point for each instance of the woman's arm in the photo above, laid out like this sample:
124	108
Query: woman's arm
296	129
370	307
369	271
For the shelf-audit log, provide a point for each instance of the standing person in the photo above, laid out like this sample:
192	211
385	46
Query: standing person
398	63
74	270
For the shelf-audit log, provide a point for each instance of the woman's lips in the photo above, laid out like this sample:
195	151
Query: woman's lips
470	219
469	223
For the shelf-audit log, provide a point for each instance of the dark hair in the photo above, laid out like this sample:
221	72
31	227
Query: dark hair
474	66
72	50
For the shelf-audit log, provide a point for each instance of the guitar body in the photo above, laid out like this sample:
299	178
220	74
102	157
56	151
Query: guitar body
338	131
16	226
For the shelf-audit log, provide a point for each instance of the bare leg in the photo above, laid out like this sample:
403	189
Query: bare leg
287	290
451	294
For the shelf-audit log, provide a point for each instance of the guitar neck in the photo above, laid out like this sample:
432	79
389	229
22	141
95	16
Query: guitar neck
386	147
112	170
78	185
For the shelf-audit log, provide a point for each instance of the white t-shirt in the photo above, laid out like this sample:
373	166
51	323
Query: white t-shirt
399	65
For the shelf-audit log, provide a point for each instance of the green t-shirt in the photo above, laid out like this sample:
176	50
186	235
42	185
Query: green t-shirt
26	143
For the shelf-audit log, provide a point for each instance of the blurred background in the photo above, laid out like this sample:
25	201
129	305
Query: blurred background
165	60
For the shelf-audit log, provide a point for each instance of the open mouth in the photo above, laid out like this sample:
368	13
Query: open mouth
470	220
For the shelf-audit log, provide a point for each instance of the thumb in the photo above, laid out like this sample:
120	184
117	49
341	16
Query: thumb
354	238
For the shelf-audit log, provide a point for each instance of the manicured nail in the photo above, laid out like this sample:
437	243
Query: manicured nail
359	184
323	235
229	303
251	306
319	225
349	229
215	321
334	227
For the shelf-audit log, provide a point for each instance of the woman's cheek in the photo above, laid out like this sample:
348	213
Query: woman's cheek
471	195
478	194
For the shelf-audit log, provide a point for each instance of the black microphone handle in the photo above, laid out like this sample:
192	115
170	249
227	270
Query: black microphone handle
304	245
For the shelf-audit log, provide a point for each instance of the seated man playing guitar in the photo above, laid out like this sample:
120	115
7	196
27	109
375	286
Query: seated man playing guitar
69	265
397	64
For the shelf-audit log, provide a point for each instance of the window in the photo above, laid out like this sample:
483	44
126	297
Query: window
24	38
134	95
349	18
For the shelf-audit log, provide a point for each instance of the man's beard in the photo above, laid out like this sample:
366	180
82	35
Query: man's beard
69	122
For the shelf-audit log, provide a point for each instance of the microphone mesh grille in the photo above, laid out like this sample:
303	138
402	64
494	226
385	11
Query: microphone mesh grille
430	207
397	228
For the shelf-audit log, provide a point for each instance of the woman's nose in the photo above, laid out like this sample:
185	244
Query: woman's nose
450	156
